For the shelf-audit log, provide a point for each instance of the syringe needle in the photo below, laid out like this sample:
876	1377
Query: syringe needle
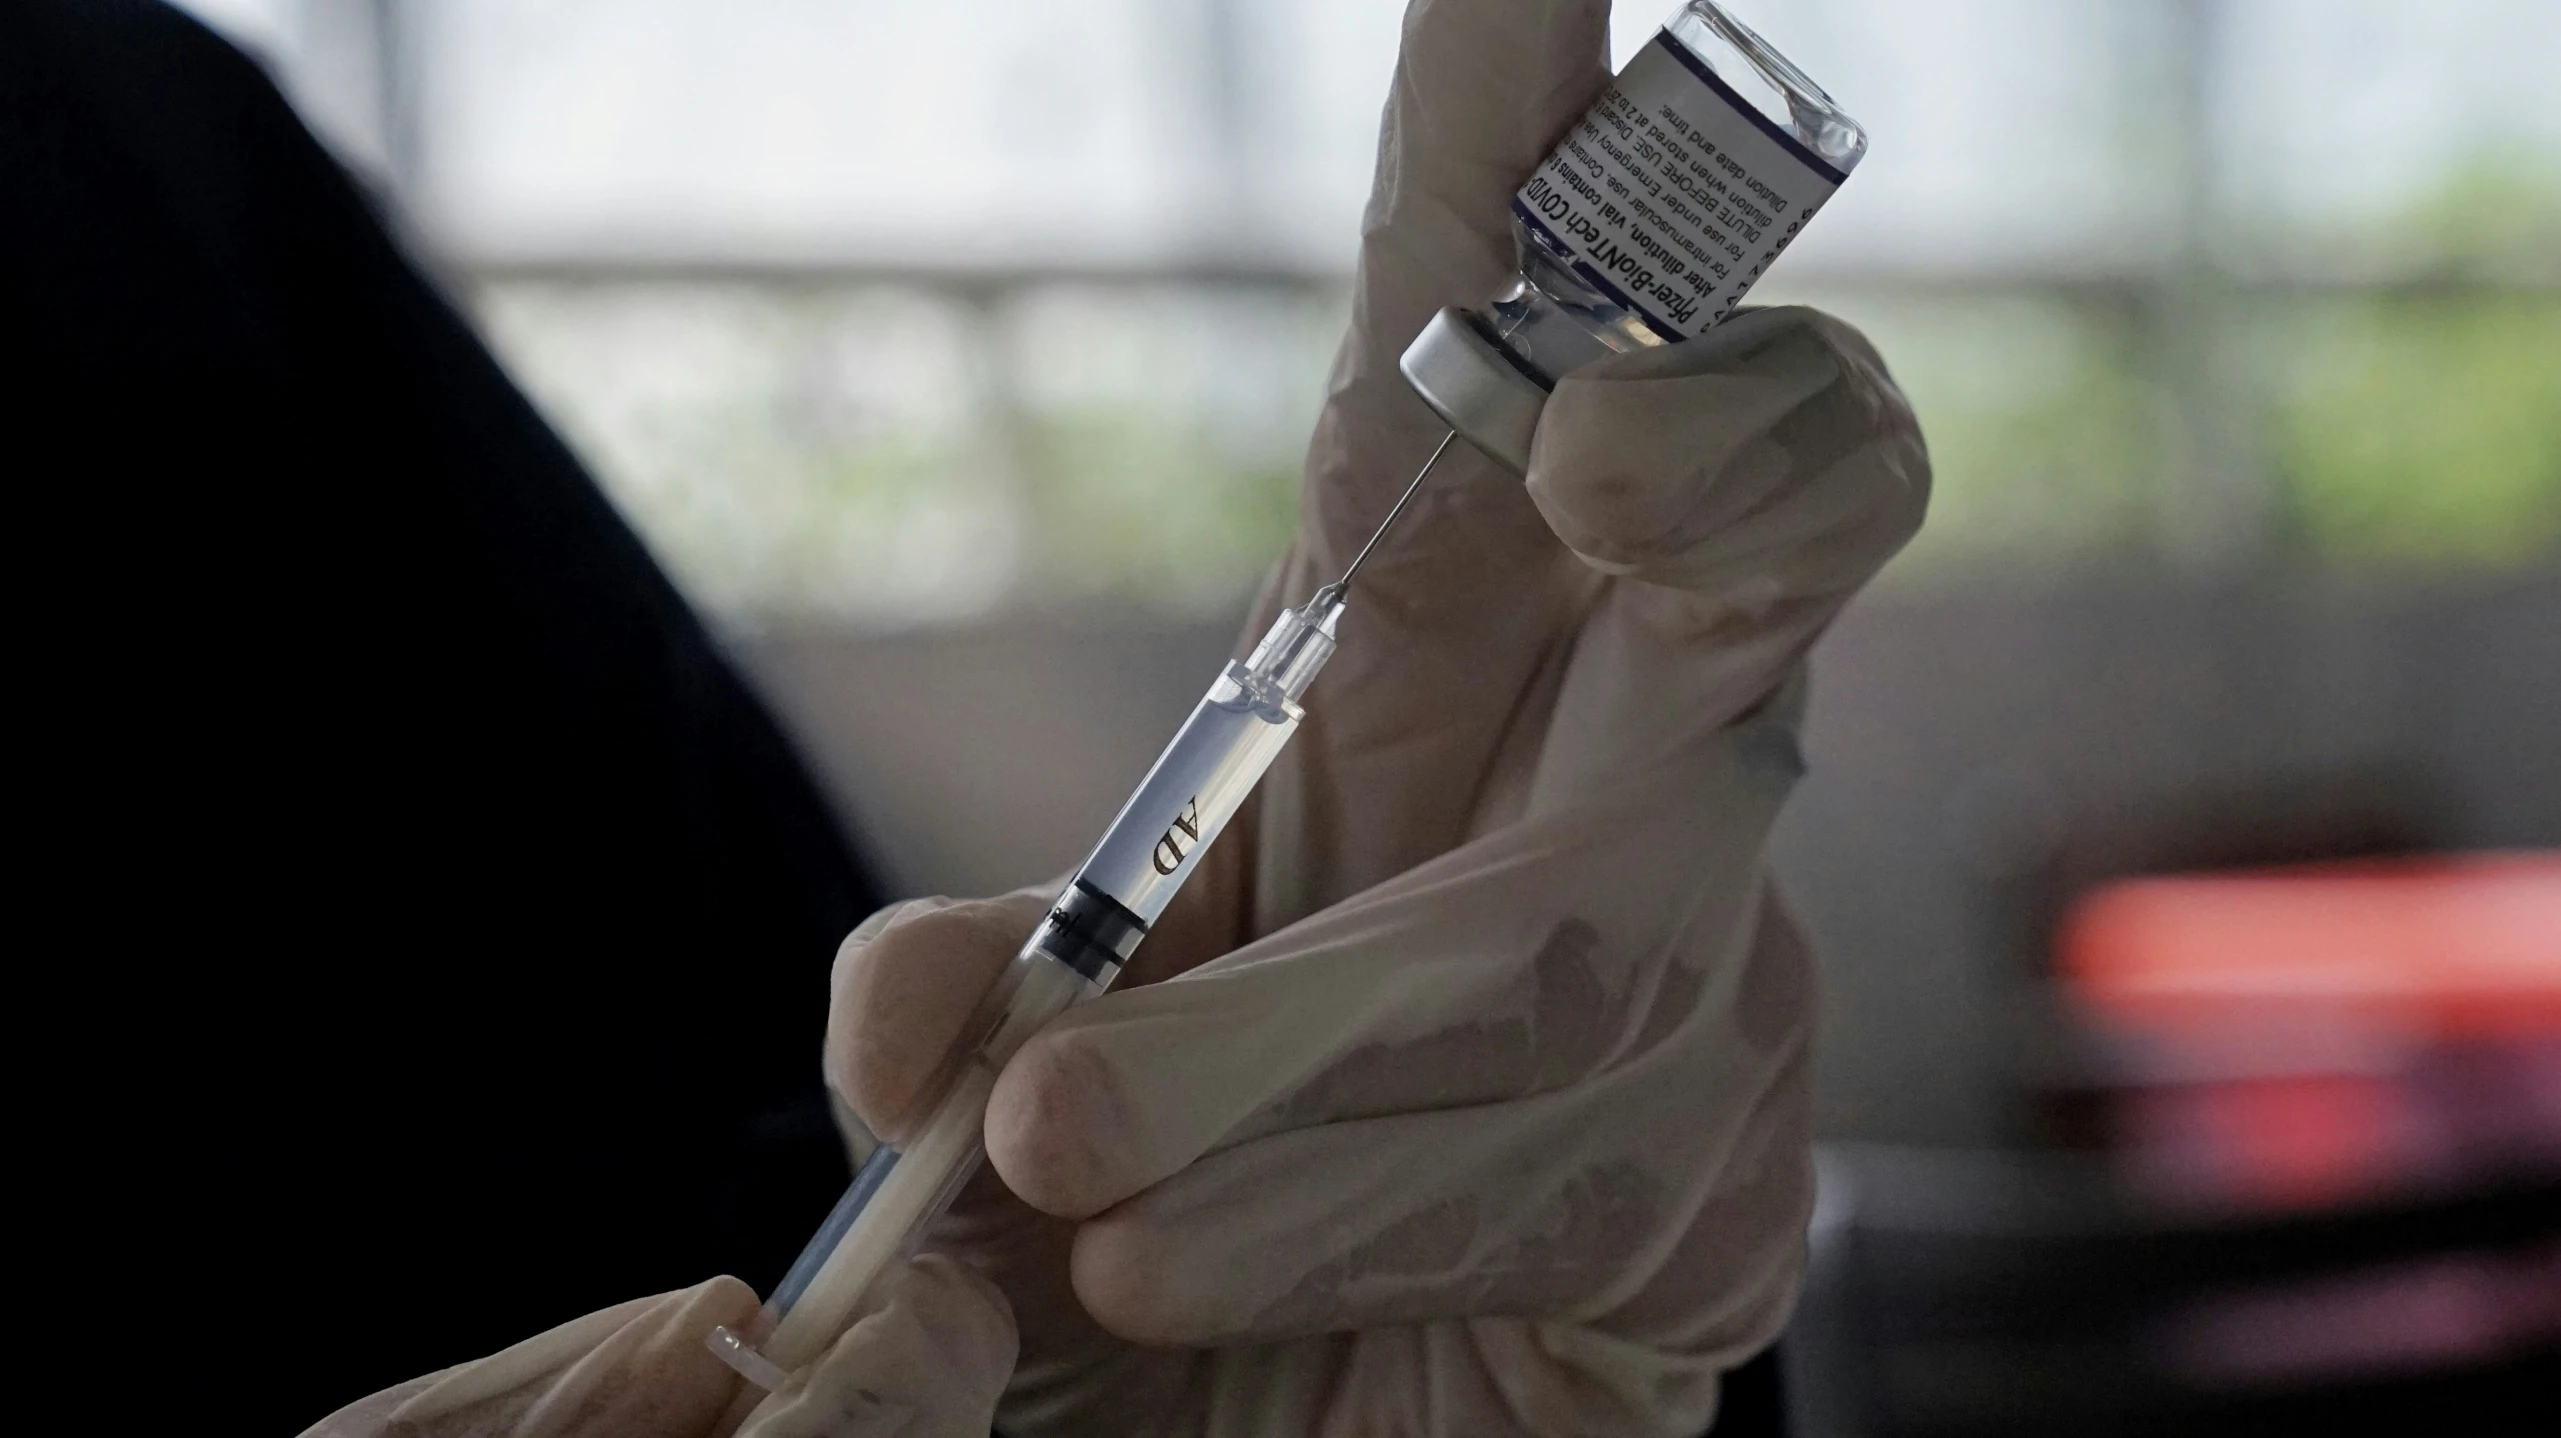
1389	522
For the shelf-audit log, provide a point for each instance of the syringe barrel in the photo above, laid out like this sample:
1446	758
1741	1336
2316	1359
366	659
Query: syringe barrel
1198	784
1195	787
901	1189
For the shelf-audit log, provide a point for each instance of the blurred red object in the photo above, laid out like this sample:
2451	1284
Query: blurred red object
2310	1037
2453	945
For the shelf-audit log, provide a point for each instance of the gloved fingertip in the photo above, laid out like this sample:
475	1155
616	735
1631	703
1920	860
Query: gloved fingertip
930	1361
1059	1127
1127	1282
721	1301
964	1314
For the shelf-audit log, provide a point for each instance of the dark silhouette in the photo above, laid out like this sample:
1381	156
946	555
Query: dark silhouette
455	922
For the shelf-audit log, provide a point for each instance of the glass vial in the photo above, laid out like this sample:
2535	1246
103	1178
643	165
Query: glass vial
1647	223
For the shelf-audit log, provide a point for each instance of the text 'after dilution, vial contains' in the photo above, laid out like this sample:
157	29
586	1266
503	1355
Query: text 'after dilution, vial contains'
1652	217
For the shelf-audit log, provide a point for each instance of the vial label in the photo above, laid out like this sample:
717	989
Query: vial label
1673	194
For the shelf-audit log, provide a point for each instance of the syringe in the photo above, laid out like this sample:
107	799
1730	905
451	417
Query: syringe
1096	923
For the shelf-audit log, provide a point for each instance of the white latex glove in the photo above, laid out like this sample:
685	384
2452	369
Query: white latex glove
1465	1090
928	1363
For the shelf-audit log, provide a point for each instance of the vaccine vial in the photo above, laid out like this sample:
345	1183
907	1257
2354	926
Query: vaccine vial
1705	158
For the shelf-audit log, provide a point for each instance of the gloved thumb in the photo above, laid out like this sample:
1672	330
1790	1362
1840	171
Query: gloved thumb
1771	459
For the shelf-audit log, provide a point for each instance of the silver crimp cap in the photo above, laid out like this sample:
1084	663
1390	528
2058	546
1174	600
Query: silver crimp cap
1492	405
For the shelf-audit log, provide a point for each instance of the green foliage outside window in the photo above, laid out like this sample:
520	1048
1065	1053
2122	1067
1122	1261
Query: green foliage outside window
2424	431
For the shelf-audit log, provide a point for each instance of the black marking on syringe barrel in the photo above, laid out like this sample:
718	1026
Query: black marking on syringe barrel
1181	837
1091	932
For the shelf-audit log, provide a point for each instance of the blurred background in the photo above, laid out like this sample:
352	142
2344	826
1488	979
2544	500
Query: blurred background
2235	328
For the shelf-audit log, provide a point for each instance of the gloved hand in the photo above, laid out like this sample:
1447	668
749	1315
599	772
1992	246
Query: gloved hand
1465	1089
928	1363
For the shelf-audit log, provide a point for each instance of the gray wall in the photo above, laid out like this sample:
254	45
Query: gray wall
1969	752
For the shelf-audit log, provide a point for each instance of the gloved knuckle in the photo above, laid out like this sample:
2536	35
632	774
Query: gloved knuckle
850	949
945	934
1608	511
930	923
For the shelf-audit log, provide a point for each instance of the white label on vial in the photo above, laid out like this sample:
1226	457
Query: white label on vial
1673	194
